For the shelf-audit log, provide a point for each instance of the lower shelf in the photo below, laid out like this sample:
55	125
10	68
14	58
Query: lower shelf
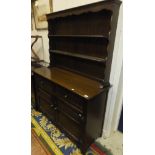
91	58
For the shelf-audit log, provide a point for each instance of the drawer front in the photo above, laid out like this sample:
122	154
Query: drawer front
76	116
69	126
44	84
71	98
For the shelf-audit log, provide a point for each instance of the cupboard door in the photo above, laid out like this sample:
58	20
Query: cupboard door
72	129
46	104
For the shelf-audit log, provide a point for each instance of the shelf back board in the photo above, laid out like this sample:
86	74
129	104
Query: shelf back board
82	39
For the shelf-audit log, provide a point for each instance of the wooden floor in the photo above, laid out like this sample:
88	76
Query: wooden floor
37	148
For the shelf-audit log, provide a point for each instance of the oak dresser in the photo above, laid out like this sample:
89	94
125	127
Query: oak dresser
72	91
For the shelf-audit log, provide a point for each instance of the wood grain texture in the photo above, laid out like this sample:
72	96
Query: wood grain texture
37	147
76	83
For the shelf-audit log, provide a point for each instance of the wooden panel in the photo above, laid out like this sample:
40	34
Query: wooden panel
95	115
44	84
76	116
91	69
73	129
78	84
96	47
71	98
46	104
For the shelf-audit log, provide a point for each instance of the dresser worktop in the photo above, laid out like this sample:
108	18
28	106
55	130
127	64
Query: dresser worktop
76	83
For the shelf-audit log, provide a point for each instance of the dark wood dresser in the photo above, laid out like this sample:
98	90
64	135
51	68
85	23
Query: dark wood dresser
72	91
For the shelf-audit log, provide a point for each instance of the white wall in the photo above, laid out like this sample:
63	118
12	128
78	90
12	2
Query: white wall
65	4
114	104
118	104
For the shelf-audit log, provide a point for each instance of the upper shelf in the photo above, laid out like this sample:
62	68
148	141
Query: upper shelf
102	60
109	5
80	36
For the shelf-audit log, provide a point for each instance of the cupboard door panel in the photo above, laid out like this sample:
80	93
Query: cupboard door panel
44	84
69	126
46	104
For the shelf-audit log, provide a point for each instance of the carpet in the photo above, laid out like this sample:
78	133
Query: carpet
56	142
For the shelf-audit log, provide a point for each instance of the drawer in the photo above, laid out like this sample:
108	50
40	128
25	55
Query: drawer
69	126
76	116
71	98
47	96
44	84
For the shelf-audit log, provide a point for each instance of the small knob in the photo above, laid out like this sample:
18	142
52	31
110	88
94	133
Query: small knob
51	105
65	96
56	108
81	116
101	86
